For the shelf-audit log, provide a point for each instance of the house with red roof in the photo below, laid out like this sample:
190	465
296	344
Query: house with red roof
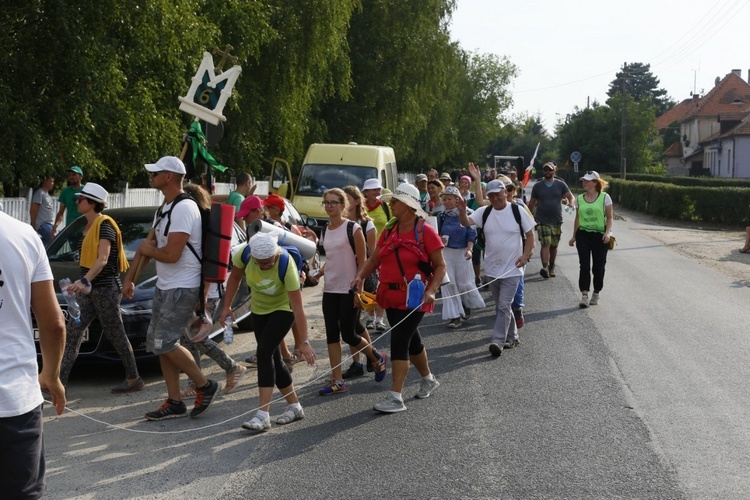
714	131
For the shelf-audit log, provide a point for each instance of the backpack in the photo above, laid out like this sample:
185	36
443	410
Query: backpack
424	266
286	252
349	234
486	214
205	229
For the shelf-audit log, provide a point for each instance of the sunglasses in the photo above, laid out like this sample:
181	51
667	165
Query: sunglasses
81	198
154	174
548	169
330	203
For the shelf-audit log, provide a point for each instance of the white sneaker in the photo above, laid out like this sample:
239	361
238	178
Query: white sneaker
257	424
426	387
390	404
584	301
594	299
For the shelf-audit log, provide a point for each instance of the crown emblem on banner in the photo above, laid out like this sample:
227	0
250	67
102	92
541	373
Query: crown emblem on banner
210	88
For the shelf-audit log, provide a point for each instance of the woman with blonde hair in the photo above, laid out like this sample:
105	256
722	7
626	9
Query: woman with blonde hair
591	233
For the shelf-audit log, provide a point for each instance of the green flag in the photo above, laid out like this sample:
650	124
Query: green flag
197	141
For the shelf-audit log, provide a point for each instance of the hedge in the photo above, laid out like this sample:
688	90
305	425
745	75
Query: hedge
686	181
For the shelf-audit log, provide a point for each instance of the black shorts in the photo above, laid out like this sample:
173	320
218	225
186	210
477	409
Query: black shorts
22	455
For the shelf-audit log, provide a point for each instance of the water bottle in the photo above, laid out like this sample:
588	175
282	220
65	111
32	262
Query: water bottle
570	210
415	292
74	310
228	330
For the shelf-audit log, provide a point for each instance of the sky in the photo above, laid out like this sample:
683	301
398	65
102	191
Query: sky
567	52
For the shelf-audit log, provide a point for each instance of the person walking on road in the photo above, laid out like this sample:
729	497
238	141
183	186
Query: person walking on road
99	288
407	248
26	286
178	231
505	257
339	312
591	234
41	213
276	303
547	199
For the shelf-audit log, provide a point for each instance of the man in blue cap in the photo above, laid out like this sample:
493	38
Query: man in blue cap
68	198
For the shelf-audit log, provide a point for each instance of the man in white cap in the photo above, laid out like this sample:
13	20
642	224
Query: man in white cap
178	233
504	257
68	198
378	211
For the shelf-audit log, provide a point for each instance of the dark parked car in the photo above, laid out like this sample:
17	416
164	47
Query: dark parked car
134	225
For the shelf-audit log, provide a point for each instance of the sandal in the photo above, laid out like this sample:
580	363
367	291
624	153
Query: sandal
253	360
290	362
257	424
290	415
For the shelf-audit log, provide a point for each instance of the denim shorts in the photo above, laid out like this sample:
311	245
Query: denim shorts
170	312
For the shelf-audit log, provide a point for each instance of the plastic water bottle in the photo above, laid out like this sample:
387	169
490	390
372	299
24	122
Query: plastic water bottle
415	292
570	210
228	330
74	310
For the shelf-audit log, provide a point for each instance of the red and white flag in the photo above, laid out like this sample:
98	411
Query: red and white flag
527	172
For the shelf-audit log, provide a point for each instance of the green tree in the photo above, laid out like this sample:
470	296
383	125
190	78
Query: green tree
643	85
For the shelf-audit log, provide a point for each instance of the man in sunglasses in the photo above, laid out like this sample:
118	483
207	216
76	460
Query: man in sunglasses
545	204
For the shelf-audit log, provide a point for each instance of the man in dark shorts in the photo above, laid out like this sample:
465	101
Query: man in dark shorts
547	198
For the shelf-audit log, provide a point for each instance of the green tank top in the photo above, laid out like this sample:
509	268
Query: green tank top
591	216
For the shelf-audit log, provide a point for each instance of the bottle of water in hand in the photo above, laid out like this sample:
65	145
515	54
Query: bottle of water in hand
74	310
228	330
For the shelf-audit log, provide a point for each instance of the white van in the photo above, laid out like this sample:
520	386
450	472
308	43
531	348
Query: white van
333	165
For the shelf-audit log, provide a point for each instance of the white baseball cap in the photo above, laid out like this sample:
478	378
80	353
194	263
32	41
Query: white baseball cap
167	164
591	175
372	183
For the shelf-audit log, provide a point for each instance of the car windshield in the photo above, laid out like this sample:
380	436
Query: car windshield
65	248
316	178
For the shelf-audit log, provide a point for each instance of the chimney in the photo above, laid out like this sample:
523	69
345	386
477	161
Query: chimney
737	72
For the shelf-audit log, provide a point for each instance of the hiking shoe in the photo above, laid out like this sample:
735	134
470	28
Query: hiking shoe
454	323
380	326
125	388
426	387
290	415
594	299
233	378
496	350
584	301
478	282
252	360
355	370
381	369
544	273
188	392
170	409
467	313
552	272
257	424
204	398
391	404
518	315
511	344
370	325
333	387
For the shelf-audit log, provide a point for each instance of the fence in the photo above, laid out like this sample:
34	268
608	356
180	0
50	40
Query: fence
18	208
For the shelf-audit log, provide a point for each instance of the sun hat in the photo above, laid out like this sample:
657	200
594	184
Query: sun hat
76	170
466	177
93	191
495	186
263	246
591	175
445	176
248	205
371	183
452	190
274	200
420	178
167	164
505	180
408	195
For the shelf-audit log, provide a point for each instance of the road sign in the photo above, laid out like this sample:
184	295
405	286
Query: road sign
575	157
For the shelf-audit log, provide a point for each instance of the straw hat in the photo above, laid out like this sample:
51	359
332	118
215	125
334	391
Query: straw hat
408	195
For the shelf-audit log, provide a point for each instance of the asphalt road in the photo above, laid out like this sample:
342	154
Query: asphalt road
643	396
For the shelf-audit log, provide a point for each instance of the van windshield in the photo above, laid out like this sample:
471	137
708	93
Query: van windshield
316	178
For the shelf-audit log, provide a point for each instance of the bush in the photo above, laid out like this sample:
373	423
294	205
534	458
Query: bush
687	181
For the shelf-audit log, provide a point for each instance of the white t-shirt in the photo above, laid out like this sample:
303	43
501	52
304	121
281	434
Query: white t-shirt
341	262
22	261
503	240
186	272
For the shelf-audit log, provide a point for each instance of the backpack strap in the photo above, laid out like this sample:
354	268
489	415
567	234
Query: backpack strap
386	210
486	215
517	215
246	255
440	220
283	264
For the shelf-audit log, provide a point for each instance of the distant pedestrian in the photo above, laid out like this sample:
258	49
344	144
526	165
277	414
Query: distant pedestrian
591	233
547	198
424	196
435	203
41	212
25	286
243	188
68	200
276	303
446	179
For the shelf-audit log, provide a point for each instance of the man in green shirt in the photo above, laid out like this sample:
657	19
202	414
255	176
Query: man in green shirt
237	196
68	198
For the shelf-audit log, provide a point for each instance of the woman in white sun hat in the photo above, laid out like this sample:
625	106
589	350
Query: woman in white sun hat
407	247
99	290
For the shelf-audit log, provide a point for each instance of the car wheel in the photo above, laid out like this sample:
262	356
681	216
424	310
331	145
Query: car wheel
312	264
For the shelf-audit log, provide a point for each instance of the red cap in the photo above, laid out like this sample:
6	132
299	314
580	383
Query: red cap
274	200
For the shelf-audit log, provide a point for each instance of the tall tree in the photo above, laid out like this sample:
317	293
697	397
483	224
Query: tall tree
636	80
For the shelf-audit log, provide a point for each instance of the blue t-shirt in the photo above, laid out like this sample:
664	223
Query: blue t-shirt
549	201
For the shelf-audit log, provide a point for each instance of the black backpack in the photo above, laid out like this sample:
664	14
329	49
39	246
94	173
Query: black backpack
486	214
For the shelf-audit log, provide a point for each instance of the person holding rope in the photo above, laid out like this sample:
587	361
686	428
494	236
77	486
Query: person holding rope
505	256
339	312
407	250
276	303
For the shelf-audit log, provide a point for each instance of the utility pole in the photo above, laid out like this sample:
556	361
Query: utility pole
623	160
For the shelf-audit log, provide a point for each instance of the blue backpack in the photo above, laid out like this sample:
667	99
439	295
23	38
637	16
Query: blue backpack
286	252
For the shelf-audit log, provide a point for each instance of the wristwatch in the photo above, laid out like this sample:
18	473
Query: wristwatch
85	282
